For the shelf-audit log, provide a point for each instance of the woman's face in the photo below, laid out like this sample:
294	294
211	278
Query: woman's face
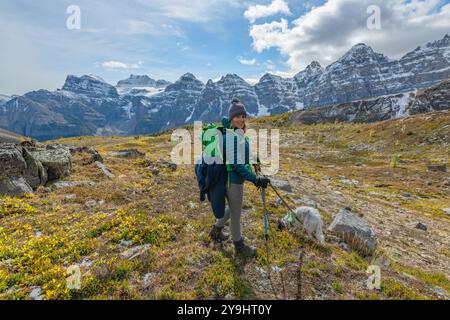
238	122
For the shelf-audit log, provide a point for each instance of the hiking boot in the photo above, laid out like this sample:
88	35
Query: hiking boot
244	250
217	234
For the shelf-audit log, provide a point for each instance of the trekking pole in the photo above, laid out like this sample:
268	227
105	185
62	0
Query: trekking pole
266	215
266	236
266	241
302	249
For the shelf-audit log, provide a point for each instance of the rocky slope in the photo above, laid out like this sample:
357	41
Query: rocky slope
88	105
141	233
436	98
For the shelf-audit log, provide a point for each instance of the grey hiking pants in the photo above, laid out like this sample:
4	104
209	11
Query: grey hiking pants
235	197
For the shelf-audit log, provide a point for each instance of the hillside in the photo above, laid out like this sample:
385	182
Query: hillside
6	136
154	207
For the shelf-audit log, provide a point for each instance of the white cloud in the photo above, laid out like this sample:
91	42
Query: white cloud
117	65
260	11
198	11
247	62
326	32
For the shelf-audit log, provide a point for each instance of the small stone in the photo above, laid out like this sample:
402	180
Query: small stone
446	211
437	167
46	190
105	170
167	164
344	246
193	205
126	243
135	252
71	184
382	185
406	195
421	226
90	203
148	279
86	263
70	196
36	293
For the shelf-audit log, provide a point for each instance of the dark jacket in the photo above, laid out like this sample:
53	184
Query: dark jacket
212	179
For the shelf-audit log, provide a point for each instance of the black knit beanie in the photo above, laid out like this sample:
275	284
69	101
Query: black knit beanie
236	109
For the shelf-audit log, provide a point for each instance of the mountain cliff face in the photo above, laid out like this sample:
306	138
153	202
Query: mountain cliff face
436	98
90	86
375	87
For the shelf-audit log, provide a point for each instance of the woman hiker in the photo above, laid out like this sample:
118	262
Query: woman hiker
237	173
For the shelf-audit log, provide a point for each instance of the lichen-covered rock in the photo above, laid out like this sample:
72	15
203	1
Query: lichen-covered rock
12	170
56	160
105	170
12	163
35	173
354	231
130	153
24	167
70	184
15	187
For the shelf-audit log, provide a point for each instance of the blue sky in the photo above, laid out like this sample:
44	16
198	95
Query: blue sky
209	38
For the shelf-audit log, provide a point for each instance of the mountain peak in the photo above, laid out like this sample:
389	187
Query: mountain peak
361	53
231	77
310	72
314	65
186	82
89	85
361	47
444	42
314	68
188	75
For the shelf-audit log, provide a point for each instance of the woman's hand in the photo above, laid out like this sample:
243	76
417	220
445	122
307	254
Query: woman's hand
262	182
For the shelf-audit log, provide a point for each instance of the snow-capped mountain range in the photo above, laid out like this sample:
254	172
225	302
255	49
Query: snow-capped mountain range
88	105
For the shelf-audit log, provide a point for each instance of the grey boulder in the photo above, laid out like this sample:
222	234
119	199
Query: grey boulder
16	171
355	232
56	161
15	187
